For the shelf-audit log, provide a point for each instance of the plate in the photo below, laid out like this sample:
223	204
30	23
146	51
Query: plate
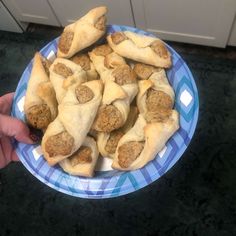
109	183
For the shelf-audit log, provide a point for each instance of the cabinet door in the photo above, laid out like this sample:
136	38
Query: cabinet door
205	22
32	11
119	12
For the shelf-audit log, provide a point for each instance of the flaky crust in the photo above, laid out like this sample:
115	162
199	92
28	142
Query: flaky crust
85	32
85	169
138	48
155	135
60	83
39	90
74	118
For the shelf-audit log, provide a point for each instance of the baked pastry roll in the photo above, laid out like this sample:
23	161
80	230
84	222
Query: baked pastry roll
120	88
155	93
64	73
83	161
141	48
76	113
40	100
141	143
107	142
105	59
84	61
83	33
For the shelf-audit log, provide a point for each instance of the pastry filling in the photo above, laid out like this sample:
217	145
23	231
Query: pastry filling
101	23
108	119
82	156
124	75
62	69
46	64
59	144
118	37
161	115
113	140
102	50
84	94
82	60
39	116
158	99
159	48
144	71
128	153
65	41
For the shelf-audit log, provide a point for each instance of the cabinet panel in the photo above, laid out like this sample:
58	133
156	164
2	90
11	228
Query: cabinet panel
206	22
32	11
119	12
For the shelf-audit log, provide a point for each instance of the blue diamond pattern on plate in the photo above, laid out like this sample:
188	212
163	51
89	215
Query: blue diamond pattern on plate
106	184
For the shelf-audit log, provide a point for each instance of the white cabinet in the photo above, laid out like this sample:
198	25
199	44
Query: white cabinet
119	12
232	38
206	22
32	11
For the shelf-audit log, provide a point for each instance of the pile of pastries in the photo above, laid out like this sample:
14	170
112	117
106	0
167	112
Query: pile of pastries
113	98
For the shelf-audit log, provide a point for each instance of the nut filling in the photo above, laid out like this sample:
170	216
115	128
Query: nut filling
101	23
39	116
82	60
158	99
102	50
144	71
84	94
82	156
62	69
118	37
113	140
59	144
159	48
128	153
108	119
65	41
124	75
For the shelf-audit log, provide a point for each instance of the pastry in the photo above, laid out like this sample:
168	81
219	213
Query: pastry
144	71
141	48
64	73
84	61
83	161
107	142
40	101
120	88
105	59
76	113
155	93
142	143
83	33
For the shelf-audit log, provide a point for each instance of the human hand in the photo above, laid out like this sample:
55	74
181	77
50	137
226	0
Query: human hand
11	128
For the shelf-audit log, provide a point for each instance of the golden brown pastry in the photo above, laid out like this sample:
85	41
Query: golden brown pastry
83	33
155	94
141	143
76	114
64	73
120	88
83	161
141	48
84	61
107	142
104	59
40	101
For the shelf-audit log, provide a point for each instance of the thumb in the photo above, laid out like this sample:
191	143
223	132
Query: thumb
13	127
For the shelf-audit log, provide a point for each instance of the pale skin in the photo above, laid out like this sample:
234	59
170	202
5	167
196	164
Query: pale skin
11	128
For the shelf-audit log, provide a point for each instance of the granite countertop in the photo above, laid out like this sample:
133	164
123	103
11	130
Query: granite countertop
196	197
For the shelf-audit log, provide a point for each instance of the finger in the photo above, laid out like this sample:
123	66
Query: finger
6	102
13	127
5	151
14	156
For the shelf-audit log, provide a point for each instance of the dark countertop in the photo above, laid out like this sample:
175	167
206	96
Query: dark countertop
196	197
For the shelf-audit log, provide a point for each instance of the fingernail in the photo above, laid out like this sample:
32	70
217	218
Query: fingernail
35	134
34	138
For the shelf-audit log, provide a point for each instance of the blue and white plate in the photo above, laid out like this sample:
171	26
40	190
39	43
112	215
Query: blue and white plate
109	183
